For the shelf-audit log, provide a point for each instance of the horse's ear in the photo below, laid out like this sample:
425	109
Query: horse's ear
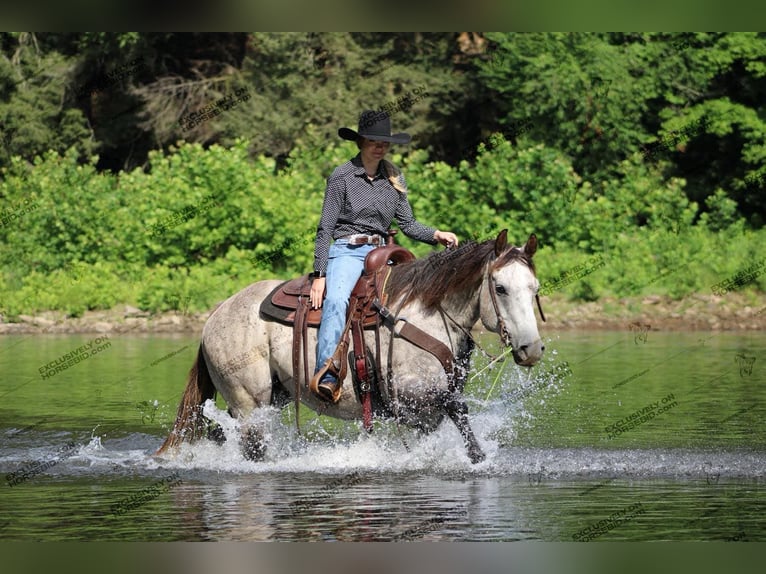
501	242
531	247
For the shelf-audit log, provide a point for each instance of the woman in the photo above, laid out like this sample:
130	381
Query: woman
363	197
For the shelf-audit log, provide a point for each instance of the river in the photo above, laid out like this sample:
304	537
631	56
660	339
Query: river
616	436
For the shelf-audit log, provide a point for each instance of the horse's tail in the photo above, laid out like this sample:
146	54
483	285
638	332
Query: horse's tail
190	424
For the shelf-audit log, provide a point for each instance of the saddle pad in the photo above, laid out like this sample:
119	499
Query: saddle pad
281	303
283	313
292	289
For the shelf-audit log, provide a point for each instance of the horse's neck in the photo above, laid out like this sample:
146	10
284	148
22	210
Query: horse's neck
459	313
463	309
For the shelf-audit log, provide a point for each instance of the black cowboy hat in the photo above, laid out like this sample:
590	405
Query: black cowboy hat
374	126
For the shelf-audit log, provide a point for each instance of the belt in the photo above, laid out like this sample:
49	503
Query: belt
362	239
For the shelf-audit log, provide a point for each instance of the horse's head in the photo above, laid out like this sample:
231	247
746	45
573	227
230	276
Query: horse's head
508	296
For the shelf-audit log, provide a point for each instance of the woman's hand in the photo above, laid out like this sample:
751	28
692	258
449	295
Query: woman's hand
317	292
446	238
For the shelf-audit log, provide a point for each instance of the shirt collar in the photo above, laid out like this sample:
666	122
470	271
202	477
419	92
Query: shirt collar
360	171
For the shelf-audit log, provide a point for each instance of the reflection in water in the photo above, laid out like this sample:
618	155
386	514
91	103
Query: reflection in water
552	471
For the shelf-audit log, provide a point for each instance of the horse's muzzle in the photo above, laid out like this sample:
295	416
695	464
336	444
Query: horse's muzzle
528	355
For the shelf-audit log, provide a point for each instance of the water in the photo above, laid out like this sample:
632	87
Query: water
691	469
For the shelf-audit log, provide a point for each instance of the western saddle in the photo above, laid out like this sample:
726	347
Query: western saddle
289	303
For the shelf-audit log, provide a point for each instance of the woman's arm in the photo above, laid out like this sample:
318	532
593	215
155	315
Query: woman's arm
333	204
411	227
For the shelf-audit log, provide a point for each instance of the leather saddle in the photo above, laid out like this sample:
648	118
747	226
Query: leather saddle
288	303
283	302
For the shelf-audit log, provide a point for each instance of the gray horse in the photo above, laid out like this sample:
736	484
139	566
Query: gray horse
249	359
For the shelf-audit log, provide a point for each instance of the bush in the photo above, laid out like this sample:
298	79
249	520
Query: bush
199	224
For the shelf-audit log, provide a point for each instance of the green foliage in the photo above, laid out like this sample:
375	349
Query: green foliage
32	118
721	213
80	239
602	98
646	148
598	99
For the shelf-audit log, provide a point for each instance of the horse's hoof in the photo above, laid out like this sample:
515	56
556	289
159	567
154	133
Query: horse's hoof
253	447
476	455
216	434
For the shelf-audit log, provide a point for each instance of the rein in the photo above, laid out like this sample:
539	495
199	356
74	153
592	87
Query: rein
540	307
467	333
444	354
503	330
504	335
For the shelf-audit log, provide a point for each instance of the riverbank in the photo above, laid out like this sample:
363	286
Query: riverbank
732	312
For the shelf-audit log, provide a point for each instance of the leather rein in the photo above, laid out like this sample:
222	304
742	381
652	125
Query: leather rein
505	336
417	337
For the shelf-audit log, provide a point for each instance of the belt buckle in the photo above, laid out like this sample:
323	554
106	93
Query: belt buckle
364	239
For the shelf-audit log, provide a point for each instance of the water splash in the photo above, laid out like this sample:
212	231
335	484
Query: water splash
518	401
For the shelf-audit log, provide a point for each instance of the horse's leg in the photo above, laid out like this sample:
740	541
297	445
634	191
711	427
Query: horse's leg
252	390
457	411
215	433
253	443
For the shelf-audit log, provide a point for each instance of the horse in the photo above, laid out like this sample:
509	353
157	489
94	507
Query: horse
248	359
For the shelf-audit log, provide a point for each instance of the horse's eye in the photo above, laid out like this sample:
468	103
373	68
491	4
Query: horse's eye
500	290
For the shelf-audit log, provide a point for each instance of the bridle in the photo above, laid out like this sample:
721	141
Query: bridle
505	336
503	330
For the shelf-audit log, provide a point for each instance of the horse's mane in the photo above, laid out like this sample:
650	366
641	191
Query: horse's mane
433	278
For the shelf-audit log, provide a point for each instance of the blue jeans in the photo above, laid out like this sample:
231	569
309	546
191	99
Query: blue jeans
344	267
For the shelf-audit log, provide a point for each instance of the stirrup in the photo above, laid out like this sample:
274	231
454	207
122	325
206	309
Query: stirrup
327	390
